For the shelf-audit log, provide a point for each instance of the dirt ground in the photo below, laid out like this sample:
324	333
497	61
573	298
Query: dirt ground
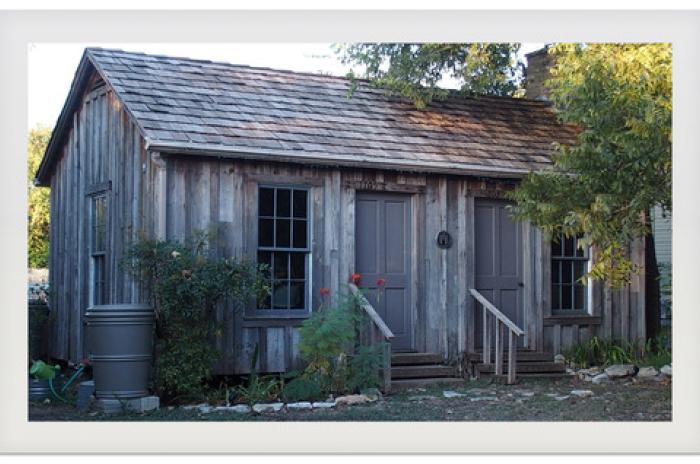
529	400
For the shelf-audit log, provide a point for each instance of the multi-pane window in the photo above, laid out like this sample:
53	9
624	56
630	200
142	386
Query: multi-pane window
569	266
283	244
98	248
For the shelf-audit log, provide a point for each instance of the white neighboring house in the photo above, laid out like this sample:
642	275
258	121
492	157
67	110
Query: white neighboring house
662	229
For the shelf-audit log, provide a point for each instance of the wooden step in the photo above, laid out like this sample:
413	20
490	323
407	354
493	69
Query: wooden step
407	384
413	359
422	371
525	368
520	355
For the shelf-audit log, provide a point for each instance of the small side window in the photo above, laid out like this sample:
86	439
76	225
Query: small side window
569	267
98	248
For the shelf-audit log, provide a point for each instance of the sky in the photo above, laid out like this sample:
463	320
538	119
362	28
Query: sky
51	66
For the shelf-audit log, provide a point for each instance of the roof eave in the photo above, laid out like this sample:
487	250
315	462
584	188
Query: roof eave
328	160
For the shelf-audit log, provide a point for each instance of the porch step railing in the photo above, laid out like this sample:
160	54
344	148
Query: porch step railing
377	332
491	313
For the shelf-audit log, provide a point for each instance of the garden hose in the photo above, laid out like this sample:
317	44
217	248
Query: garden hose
54	392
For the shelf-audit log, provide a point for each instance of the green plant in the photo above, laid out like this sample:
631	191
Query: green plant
604	352
186	282
330	344
302	389
258	389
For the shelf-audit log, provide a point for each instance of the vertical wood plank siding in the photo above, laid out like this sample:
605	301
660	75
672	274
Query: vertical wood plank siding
103	145
170	196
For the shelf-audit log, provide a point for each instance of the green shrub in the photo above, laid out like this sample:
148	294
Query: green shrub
186	282
329	343
604	352
302	389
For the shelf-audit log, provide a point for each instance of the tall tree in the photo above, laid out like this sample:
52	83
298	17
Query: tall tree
604	185
38	200
414	70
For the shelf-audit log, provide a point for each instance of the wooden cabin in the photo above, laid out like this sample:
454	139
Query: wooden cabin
297	174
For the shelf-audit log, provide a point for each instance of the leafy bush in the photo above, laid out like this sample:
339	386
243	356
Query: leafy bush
186	281
329	343
604	352
302	389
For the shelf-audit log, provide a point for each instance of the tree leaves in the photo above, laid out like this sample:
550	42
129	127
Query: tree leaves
37	201
414	70
604	185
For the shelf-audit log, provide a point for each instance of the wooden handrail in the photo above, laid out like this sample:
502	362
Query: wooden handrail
499	315
374	317
513	332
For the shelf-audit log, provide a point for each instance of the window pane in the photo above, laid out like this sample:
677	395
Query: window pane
282	233
566	271
280	295
265	232
556	303
283	203
281	263
265	257
299	234
99	280
298	265
569	246
300	204
579	292
266	202
566	297
297	295
579	270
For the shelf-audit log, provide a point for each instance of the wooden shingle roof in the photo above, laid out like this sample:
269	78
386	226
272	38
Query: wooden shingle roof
193	106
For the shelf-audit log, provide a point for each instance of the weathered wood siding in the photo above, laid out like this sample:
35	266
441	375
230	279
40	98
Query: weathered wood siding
103	146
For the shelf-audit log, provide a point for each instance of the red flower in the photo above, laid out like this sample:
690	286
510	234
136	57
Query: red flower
355	278
85	362
324	291
381	282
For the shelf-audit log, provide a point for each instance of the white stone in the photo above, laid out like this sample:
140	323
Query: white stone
144	404
526	393
600	378
351	399
299	405
561	398
206	409
268	407
592	371
649	371
484	398
667	370
323	405
238	408
188	407
559	359
452	394
620	370
582	393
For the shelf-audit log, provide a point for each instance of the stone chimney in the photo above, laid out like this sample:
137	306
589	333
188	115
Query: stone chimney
539	63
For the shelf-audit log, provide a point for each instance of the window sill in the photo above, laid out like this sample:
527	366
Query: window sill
572	319
274	320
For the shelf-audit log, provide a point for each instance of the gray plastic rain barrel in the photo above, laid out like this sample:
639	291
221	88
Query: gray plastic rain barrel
120	349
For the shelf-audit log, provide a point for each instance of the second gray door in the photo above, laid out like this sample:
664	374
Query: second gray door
498	248
382	251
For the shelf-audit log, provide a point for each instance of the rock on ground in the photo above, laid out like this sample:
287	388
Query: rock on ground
620	370
559	359
323	405
647	372
582	393
268	407
452	394
352	399
667	370
600	378
239	408
299	405
484	398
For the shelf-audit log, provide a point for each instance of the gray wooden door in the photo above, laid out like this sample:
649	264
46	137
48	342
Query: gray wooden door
498	274
382	251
